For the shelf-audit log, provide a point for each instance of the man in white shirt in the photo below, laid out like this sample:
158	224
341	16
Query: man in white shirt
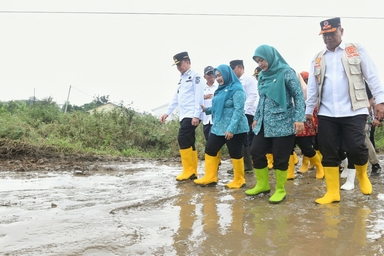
336	83
209	90
252	99
188	98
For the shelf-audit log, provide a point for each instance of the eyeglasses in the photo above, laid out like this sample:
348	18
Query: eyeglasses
210	73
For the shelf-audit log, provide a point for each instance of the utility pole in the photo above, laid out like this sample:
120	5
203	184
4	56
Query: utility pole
66	104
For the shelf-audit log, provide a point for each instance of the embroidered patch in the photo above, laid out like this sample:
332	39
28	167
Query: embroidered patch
317	61
351	51
197	80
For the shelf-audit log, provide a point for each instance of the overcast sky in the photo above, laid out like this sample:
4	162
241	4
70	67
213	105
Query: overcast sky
120	49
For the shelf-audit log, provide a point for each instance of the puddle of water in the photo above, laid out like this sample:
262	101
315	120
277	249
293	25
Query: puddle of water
139	209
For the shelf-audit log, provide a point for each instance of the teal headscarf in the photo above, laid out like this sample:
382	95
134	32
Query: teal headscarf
225	91
271	82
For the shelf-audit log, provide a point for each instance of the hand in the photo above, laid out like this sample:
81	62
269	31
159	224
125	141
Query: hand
162	118
203	108
308	118
228	135
379	111
195	121
208	96
254	124
298	126
376	123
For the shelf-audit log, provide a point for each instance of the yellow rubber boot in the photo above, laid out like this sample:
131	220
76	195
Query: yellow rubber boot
362	177
295	158
262	183
195	161
291	168
280	193
332	181
238	171
319	167
270	161
189	166
304	165
210	176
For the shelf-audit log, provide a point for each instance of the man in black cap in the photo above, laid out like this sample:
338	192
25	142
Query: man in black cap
252	98
336	84
188	98
209	89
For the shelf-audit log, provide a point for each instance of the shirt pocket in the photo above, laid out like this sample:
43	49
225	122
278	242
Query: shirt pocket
360	91
354	66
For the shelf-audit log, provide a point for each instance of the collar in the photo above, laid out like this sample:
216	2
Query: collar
341	46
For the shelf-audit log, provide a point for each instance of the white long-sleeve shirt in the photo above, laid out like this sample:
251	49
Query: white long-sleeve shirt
335	100
251	92
207	119
189	96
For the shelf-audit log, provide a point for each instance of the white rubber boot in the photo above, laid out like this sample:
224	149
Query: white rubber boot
344	164
350	183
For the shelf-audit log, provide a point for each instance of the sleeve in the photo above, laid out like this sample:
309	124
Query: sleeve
294	87
252	95
312	90
371	75
199	96
238	113
173	104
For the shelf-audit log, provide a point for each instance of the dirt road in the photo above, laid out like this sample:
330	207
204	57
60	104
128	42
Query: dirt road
93	207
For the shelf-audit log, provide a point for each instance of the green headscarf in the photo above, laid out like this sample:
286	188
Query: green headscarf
271	82
231	85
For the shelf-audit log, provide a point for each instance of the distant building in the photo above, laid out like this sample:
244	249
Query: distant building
103	108
159	111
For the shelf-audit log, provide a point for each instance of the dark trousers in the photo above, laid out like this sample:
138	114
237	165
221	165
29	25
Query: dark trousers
207	131
186	136
280	147
249	138
234	145
372	135
351	131
306	145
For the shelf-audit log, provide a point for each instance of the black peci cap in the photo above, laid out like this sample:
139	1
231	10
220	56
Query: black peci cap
234	63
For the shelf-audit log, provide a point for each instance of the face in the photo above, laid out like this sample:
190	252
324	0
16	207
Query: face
209	77
263	64
238	70
183	66
219	78
333	39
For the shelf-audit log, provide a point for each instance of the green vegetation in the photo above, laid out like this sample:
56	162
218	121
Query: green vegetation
121	132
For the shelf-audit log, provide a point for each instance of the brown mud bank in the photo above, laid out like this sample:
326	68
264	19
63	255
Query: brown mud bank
72	205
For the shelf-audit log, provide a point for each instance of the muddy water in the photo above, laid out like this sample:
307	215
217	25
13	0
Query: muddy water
139	209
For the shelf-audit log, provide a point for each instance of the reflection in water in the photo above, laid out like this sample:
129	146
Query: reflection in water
187	217
331	220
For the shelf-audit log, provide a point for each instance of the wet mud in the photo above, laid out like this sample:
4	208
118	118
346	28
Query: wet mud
138	208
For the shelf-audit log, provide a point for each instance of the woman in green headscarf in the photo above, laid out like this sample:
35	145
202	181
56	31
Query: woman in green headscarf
279	115
229	127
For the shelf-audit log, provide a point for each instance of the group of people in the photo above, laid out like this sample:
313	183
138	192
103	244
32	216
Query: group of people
269	115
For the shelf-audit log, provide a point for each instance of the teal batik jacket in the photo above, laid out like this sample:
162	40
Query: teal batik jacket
276	121
233	119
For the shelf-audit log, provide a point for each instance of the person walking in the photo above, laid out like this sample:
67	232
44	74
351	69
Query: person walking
252	97
188	98
336	84
229	127
209	90
279	116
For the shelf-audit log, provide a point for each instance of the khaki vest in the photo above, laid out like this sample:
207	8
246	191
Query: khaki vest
351	61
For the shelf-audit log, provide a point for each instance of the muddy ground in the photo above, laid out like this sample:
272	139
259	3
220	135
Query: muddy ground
86	205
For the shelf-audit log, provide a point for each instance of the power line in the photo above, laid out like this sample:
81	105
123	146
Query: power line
182	14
